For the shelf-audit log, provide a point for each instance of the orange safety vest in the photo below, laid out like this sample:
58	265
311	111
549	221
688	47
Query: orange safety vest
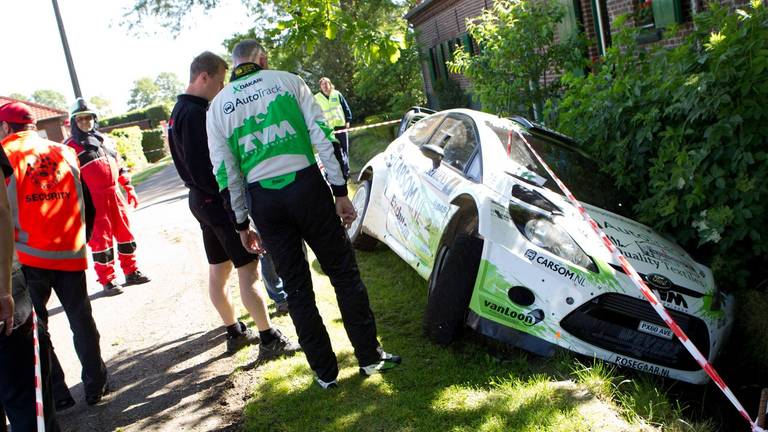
46	198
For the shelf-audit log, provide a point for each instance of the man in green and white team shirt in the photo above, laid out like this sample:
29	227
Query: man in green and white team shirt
261	130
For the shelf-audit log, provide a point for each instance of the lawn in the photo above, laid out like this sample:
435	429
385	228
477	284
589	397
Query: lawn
147	172
473	385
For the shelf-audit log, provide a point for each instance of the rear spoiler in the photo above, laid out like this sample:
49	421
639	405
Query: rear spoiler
411	116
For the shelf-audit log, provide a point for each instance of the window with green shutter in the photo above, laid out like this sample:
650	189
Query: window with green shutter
569	27
467	43
432	62
667	12
446	50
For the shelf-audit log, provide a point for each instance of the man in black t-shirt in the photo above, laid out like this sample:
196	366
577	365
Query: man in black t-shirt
17	363
189	148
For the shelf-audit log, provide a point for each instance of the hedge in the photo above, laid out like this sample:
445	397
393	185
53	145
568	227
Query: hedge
153	144
129	145
155	113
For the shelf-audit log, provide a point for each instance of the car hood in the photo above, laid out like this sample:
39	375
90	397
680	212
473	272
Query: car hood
647	251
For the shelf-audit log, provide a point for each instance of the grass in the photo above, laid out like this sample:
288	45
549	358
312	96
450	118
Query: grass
470	386
150	170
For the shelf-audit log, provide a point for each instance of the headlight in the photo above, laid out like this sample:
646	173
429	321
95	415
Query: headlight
544	233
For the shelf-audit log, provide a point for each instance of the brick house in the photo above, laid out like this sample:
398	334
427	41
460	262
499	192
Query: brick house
440	26
52	123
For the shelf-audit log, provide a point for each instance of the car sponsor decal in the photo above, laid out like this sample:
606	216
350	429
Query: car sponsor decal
528	319
555	267
655	330
641	366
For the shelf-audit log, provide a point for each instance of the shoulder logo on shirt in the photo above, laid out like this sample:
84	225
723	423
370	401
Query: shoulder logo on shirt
238	87
256	95
45	173
229	108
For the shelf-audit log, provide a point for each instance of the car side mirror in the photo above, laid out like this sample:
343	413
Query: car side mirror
433	152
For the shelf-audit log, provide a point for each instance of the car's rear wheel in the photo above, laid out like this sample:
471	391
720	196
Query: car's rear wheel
450	288
359	239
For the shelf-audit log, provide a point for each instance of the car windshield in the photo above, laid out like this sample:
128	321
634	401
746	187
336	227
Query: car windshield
581	174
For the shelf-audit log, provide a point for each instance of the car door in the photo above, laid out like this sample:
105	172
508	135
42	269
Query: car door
424	201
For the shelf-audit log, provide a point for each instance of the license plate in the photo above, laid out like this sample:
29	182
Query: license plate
655	330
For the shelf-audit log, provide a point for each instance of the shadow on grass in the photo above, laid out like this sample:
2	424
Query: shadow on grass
463	387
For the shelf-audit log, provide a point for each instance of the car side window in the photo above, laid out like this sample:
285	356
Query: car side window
456	136
422	130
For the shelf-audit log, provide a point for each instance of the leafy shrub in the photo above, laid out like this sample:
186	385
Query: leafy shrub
128	142
154	114
449	95
686	129
513	72
153	144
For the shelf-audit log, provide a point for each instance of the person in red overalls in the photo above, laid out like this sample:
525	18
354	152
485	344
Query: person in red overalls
101	172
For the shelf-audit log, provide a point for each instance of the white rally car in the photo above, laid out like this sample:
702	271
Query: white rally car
459	196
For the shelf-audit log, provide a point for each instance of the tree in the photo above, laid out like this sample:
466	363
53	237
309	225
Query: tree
18	96
168	86
144	93
512	73
50	98
101	105
300	23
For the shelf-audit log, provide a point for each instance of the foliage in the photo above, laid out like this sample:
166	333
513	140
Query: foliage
391	87
101	105
449	95
685	129
369	86
18	96
154	114
162	90
513	72
153	144
50	98
297	23
750	346
128	142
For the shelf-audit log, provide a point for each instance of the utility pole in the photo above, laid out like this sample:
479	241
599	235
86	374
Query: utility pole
67	54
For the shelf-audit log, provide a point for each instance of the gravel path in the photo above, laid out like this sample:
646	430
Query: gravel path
163	342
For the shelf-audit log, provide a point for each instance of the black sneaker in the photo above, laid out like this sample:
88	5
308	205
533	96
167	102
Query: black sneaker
64	404
136	278
112	288
93	399
247	337
388	361
279	346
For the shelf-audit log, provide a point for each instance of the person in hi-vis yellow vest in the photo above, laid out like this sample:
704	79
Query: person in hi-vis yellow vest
338	115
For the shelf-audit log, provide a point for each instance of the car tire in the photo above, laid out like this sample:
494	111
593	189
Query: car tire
359	239
450	288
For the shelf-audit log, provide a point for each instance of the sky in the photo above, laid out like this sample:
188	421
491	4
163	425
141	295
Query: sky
108	57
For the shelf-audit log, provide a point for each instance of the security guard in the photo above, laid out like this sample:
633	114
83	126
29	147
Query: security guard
52	208
338	116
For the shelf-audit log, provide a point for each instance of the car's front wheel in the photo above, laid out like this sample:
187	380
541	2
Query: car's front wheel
450	288
359	239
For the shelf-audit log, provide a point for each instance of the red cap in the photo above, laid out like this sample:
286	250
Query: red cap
16	112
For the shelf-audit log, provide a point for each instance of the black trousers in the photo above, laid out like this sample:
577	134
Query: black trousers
70	287
341	150
17	379
304	211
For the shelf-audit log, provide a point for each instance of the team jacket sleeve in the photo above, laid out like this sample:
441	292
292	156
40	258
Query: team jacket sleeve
225	162
321	136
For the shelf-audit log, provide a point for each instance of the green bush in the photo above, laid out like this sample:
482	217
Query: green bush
512	73
686	129
449	95
154	114
153	144
128	142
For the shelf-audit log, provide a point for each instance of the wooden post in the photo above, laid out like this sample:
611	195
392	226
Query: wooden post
761	410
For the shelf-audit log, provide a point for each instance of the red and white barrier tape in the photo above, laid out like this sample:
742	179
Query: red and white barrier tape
649	295
38	376
367	126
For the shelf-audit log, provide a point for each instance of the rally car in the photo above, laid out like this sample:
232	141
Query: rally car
460	197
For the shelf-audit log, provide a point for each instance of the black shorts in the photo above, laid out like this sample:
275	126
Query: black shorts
220	239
